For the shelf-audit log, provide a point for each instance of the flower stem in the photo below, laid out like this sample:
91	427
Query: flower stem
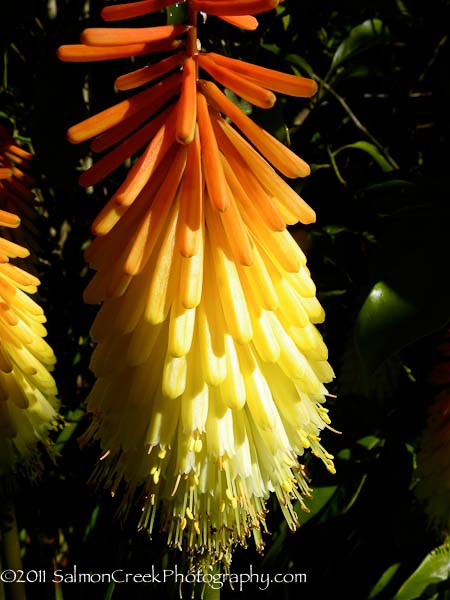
11	553
191	45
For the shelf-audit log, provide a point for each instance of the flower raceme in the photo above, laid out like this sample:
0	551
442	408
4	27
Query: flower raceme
433	464
210	370
27	389
16	190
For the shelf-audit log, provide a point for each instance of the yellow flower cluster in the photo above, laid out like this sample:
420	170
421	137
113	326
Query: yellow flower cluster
27	389
210	370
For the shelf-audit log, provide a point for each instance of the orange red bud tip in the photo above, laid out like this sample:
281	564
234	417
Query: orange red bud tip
83	53
17	151
189	233
133	9
253	93
277	153
246	22
187	105
8	219
105	36
148	73
233	7
212	165
142	170
5	173
285	83
110	117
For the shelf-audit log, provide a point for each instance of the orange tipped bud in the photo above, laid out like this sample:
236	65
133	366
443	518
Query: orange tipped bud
83	53
191	202
233	7
148	73
142	170
123	110
253	93
24	177
292	85
5	173
105	36
17	151
187	105
243	22
111	161
249	189
277	153
235	228
12	250
8	219
212	164
120	12
289	203
152	223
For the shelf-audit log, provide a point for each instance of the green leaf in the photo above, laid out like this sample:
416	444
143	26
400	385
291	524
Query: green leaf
71	423
434	569
272	48
384	580
388	321
370	149
243	105
176	13
362	37
321	497
301	63
110	591
92	522
412	296
355	495
370	442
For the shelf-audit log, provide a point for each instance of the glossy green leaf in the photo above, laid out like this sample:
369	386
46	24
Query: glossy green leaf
412	296
370	149
384	580
321	497
176	13
434	569
370	442
71	423
301	63
355	495
389	320
362	37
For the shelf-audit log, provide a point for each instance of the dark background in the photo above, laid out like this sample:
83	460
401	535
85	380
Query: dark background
377	138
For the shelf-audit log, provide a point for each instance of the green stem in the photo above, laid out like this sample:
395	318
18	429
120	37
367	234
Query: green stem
210	592
358	123
2	585
11	554
335	166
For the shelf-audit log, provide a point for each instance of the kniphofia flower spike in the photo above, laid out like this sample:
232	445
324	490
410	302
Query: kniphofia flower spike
210	370
27	389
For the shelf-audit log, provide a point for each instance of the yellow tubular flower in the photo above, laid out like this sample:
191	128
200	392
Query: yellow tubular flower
210	370
27	389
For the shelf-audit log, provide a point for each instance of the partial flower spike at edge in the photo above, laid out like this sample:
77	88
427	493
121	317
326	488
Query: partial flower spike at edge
28	404
210	370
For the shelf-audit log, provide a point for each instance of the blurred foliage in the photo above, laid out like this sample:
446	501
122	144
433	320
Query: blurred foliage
377	135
